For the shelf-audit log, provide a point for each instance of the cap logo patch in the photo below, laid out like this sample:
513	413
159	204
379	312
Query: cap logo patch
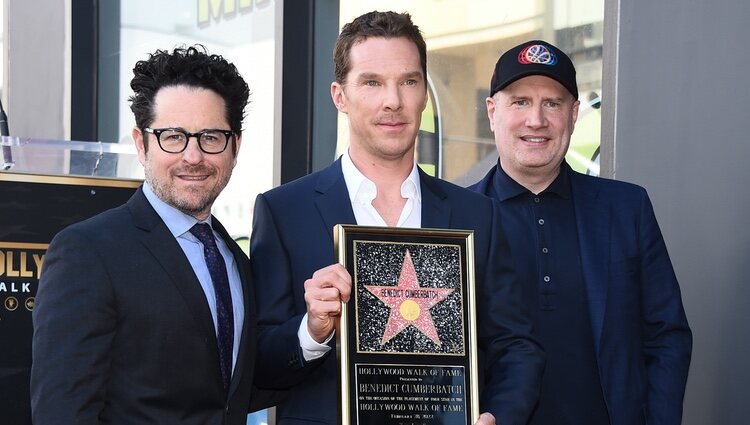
538	54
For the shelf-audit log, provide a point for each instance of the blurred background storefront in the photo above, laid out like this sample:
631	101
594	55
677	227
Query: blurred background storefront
464	40
662	89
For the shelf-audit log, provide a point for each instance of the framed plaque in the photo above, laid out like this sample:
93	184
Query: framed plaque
407	337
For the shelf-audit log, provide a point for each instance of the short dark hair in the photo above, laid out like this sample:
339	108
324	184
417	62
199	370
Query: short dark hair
375	24
193	67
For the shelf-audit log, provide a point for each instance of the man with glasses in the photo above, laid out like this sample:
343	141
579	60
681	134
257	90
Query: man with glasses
144	313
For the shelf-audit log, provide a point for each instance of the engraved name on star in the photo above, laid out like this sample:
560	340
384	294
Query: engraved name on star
409	303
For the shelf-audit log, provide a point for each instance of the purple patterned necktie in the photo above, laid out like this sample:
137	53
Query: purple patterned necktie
224	311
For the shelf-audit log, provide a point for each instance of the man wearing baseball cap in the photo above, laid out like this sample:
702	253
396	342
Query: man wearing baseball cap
598	281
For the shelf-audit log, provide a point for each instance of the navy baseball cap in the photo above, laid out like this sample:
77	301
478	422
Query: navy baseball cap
535	57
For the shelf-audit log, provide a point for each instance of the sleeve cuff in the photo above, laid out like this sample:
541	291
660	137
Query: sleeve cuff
311	349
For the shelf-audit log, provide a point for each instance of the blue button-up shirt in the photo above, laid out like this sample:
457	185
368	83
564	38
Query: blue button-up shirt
179	224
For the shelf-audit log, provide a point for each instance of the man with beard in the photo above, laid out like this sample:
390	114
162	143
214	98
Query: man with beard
144	312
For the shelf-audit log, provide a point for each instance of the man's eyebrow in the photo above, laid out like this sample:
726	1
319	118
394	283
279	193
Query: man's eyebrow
376	76
558	99
368	76
413	74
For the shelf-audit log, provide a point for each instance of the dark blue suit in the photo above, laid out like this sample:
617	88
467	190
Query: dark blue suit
641	336
293	237
123	333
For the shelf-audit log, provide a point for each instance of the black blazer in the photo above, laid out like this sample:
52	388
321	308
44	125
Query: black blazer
293	236
122	330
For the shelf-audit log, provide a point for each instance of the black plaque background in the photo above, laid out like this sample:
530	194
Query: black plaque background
435	364
399	403
34	209
437	266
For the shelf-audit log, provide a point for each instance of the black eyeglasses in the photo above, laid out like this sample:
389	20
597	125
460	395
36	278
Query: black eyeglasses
175	140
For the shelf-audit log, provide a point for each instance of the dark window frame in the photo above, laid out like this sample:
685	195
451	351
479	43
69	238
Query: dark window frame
308	117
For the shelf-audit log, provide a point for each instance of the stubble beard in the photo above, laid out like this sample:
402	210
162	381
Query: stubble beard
195	202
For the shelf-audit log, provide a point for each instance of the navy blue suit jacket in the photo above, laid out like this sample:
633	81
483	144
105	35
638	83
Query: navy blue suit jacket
293	237
123	333
641	335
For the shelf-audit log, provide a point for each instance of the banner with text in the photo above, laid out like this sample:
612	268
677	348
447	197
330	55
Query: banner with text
35	208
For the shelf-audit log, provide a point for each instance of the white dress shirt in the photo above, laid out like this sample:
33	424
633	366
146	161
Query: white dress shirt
362	191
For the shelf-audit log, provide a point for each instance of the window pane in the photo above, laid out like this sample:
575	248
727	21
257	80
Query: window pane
464	40
246	32
2	48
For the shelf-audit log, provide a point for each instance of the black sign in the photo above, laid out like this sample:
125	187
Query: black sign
35	208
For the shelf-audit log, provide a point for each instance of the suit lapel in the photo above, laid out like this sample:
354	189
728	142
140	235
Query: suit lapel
332	200
436	213
160	243
592	220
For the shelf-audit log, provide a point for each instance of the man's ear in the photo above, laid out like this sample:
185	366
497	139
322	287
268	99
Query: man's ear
574	114
140	144
338	96
237	143
490	102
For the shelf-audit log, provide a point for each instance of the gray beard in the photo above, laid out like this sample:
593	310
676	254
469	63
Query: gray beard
170	197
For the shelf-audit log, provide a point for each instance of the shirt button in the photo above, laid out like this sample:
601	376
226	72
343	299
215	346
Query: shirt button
546	279
541	222
545	250
537	200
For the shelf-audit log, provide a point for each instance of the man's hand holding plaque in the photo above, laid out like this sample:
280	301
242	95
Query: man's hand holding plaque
324	293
